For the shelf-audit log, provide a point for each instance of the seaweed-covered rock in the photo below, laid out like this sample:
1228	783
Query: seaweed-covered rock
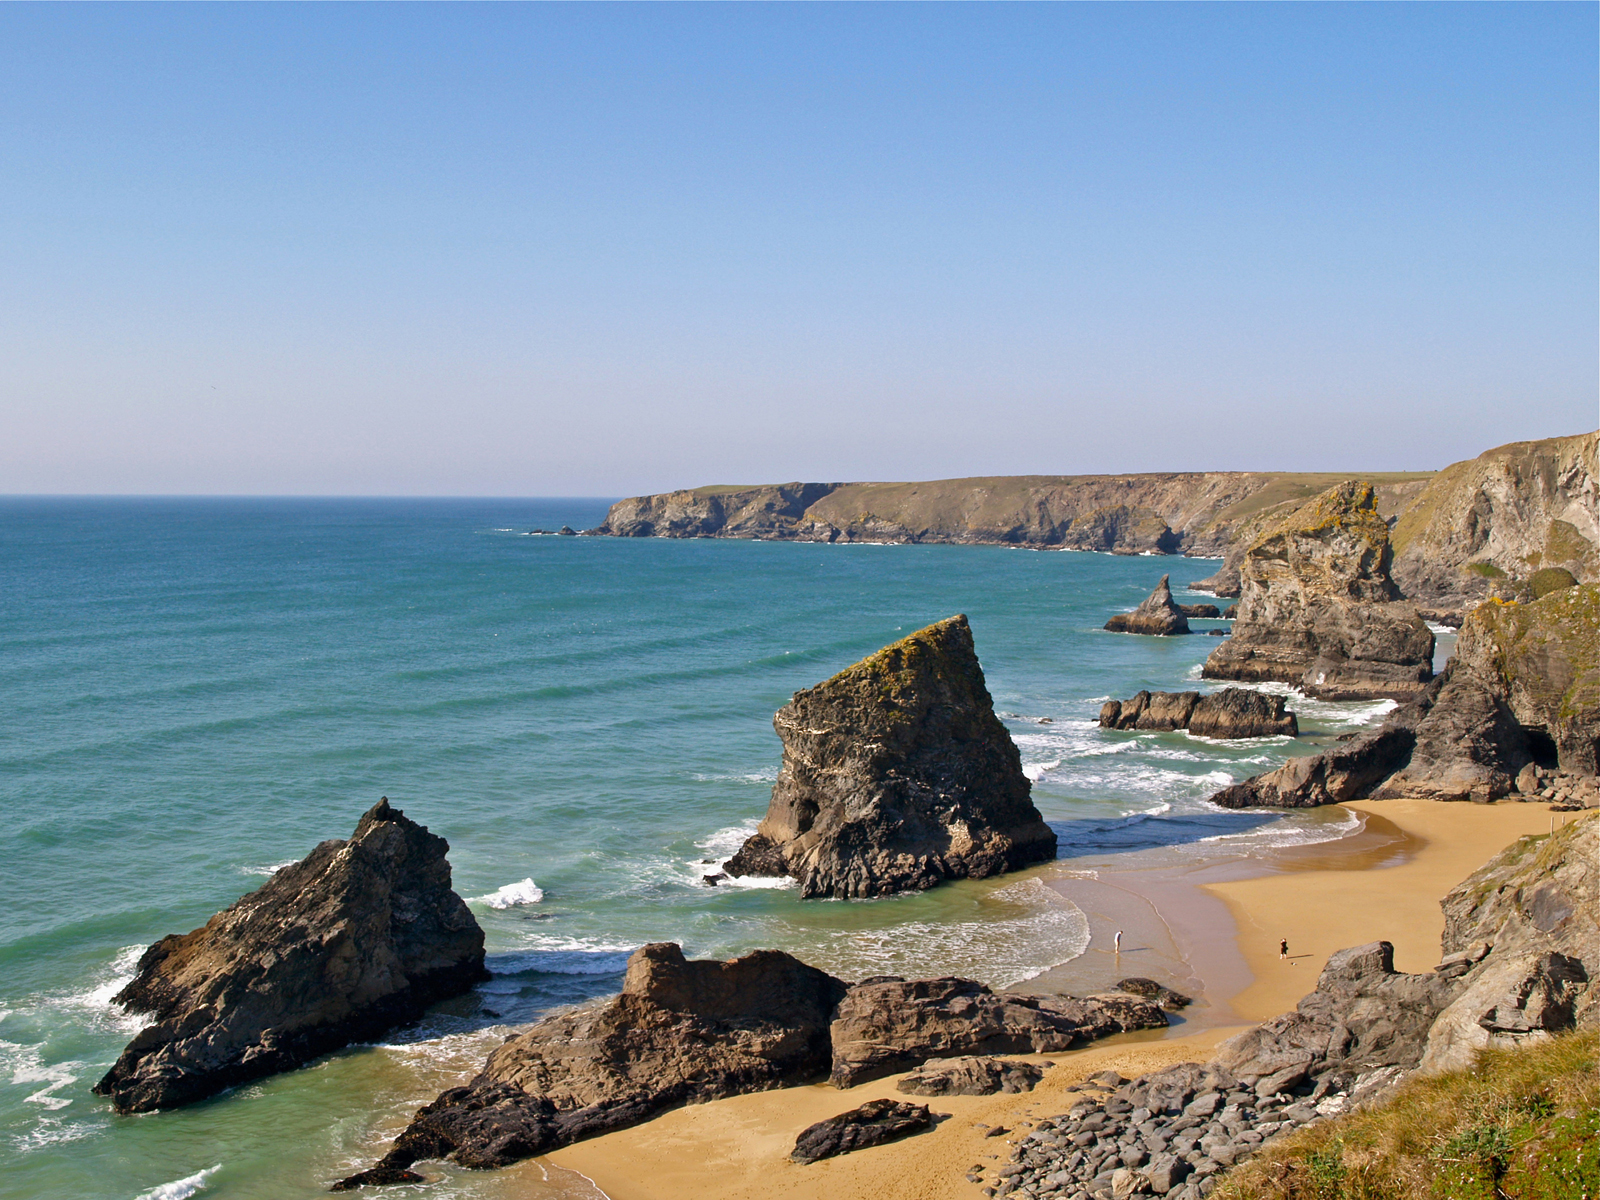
1318	609
875	1122
354	939
1157	615
896	776
681	1032
888	1024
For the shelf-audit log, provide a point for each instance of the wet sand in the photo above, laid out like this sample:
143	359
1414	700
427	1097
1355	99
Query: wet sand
1211	931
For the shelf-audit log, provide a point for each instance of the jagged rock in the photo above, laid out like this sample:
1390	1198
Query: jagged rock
1319	610
1508	513
970	1076
354	939
1203	611
1231	612
1467	741
1157	615
875	1122
896	776
1543	658
1229	713
887	1024
1159	992
680	1032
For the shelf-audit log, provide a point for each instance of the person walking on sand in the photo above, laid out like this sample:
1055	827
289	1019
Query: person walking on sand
1283	948
1116	942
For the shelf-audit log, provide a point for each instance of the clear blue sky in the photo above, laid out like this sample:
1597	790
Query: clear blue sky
575	250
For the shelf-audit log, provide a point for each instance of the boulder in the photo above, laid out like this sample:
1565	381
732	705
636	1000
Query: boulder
897	775
354	939
1159	992
972	1075
681	1032
1157	615
1229	713
875	1122
1318	609
1203	611
887	1025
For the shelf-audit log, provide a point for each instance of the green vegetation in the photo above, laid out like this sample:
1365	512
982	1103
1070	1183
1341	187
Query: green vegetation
1521	1124
1487	569
1551	579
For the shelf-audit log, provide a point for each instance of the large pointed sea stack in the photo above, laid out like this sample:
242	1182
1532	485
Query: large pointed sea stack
897	775
1157	614
357	937
1319	610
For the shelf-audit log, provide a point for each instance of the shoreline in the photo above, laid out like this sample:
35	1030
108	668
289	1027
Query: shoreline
1216	926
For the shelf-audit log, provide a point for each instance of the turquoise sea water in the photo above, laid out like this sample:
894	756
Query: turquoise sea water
200	690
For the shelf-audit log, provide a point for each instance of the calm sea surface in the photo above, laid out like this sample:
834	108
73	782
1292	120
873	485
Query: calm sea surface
197	691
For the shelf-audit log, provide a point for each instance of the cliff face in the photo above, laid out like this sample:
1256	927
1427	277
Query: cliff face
896	775
354	939
1187	512
1318	608
1509	512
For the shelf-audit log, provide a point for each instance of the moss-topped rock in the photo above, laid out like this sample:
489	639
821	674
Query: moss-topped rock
897	775
1317	607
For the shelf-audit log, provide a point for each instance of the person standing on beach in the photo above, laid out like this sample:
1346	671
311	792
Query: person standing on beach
1116	942
1283	948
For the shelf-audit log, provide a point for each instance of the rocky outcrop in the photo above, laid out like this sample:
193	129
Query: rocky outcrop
875	1122
1504	515
1164	996
896	776
681	1032
972	1075
1202	611
888	1024
1191	513
1156	615
356	938
1319	610
1229	713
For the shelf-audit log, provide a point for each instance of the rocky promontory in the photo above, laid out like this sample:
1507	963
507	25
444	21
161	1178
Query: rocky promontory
1318	609
1156	615
1229	713
897	775
356	938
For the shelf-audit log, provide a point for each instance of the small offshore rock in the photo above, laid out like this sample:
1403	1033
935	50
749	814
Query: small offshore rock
1157	615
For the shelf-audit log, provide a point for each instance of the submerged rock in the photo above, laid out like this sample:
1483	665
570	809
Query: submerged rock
1229	713
1158	615
1318	609
888	1024
896	776
875	1122
681	1032
356	938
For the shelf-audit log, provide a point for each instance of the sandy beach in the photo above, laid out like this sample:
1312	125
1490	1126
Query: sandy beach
1219	935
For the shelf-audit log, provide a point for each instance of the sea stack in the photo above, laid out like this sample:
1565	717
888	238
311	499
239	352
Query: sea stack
896	776
1158	615
1318	608
356	938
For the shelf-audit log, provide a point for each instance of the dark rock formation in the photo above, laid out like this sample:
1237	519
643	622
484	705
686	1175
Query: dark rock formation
1168	999
1157	615
875	1122
681	1032
887	1025
1319	610
1208	611
897	775
354	939
973	1075
1229	713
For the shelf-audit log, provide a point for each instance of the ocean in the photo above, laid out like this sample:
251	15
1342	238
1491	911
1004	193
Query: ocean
200	690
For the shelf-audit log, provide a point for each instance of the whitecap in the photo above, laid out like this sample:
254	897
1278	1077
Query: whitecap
766	775
1035	771
513	895
181	1189
269	869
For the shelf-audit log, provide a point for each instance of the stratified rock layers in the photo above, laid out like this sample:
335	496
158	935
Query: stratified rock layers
1156	615
896	776
1229	713
1318	609
354	939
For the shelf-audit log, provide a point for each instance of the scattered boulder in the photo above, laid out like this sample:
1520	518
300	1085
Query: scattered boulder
1158	615
356	938
1229	713
1318	609
972	1075
1159	992
885	1025
681	1032
875	1122
897	775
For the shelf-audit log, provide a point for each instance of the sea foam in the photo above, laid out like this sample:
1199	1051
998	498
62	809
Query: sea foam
513	895
181	1189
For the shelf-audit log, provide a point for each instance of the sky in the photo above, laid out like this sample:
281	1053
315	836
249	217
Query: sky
604	250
